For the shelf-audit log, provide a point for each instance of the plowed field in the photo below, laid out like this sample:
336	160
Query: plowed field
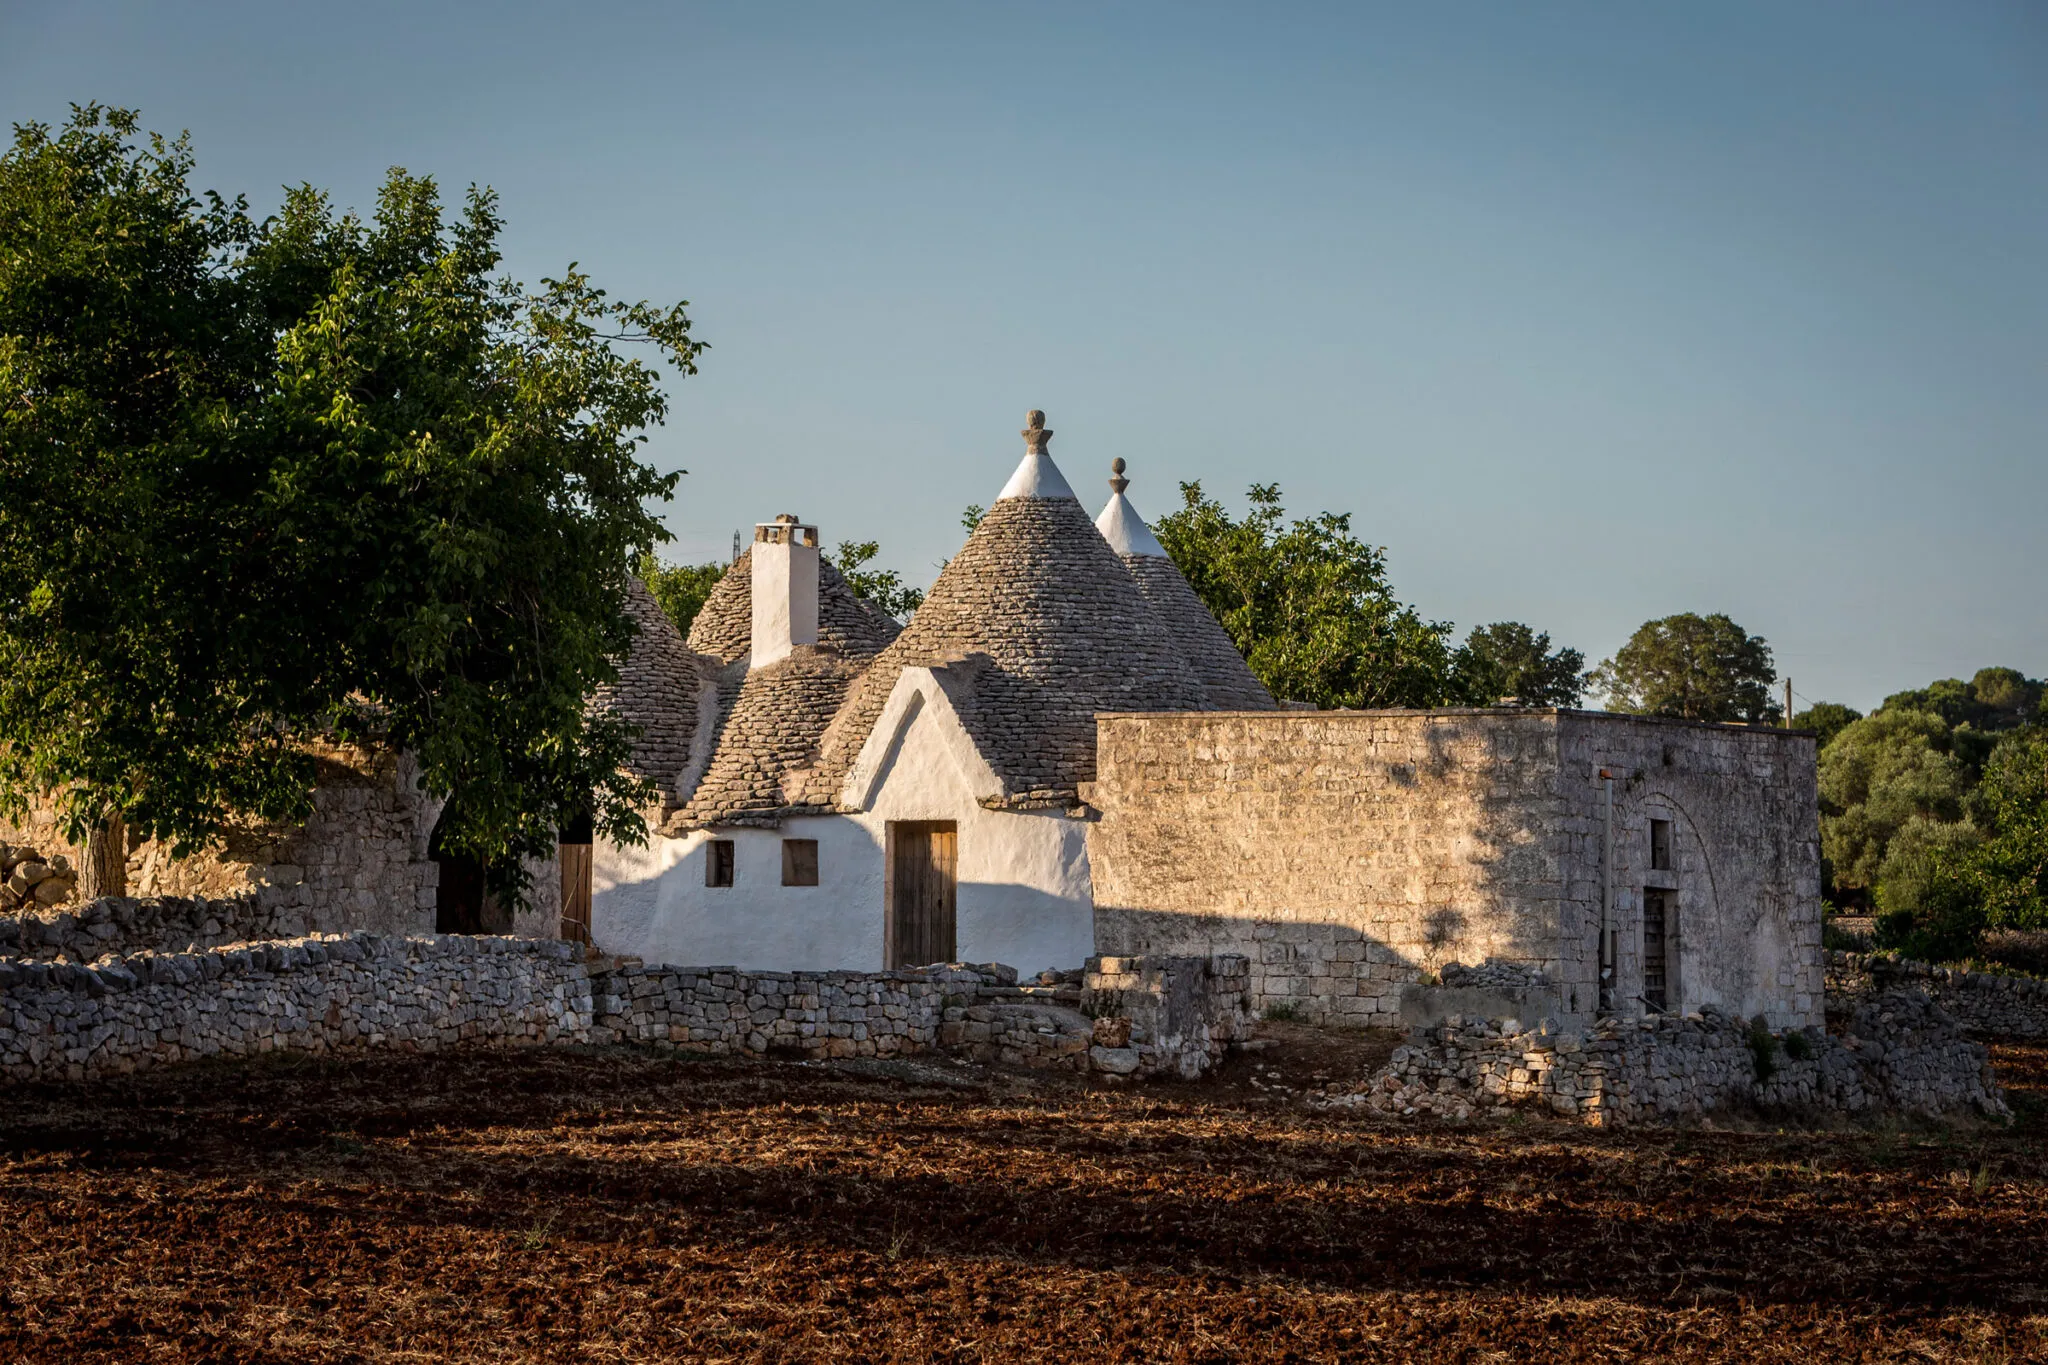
567	1206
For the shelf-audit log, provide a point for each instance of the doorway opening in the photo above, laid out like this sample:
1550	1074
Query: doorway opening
1657	927
923	892
463	901
573	851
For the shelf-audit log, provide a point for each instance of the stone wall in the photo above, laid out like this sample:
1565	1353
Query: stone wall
726	1012
1173	1016
1984	1004
1349	854
360	861
76	1004
62	1021
1901	1053
166	924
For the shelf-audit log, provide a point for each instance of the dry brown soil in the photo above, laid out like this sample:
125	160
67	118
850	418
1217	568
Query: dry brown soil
611	1205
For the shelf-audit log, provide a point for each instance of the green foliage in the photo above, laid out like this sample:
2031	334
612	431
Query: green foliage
679	588
1826	719
1945	925
971	518
1763	1049
1510	662
1693	667
1798	1046
1977	712
313	477
1308	604
1878	774
883	587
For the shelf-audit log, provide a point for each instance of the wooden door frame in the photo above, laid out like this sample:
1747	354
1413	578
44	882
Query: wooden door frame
890	830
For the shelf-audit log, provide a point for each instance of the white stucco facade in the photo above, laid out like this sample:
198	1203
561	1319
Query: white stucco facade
1024	895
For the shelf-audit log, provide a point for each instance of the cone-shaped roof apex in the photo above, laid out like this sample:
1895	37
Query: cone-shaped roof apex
1120	523
1037	476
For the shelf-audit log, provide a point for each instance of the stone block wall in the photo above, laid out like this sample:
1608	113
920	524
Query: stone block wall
1901	1053
1983	1004
1350	854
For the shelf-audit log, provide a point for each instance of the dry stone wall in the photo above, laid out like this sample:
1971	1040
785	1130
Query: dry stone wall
1983	1004
723	1011
1901	1053
164	924
64	1021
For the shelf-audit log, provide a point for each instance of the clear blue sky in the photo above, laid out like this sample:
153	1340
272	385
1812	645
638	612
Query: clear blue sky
1588	312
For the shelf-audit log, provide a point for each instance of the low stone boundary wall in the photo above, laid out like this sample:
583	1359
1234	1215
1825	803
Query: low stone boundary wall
70	1020
724	1011
62	1021
1902	1053
158	924
1984	1004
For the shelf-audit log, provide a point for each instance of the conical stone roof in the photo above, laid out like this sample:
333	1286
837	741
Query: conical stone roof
847	622
657	690
1056	630
1227	683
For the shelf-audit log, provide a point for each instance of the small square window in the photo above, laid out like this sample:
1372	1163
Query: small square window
799	862
718	862
1660	845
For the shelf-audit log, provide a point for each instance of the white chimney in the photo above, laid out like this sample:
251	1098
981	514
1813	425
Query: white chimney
785	589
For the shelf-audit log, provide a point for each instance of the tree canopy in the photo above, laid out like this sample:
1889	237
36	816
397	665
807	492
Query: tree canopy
1826	719
883	587
680	589
310	477
1308	604
1509	661
1692	667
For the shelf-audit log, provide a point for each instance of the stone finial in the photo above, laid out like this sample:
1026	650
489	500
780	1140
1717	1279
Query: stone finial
1035	434
1117	482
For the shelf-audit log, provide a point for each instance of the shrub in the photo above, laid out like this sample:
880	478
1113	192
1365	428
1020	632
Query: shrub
1763	1047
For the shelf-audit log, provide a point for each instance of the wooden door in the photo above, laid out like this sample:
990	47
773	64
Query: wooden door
576	892
923	885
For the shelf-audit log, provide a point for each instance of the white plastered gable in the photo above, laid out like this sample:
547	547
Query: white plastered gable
917	700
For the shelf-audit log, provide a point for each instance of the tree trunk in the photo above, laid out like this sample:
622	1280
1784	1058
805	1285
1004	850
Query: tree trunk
106	860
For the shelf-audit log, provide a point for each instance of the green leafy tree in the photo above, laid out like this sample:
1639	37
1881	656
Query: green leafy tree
1308	604
1878	776
1510	662
883	587
1826	719
310	478
680	589
1977	712
971	518
1692	667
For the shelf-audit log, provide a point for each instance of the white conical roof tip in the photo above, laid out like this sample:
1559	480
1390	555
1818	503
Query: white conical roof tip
1120	523
1037	476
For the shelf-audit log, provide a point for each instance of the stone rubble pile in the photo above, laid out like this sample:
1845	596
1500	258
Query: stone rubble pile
126	924
1984	1004
1901	1053
1494	975
1183	1013
30	880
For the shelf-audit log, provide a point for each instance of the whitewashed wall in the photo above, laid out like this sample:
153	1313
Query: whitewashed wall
1024	899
